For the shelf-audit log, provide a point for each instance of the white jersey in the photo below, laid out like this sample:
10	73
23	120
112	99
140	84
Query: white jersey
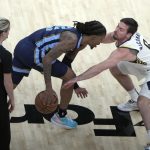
138	43
141	66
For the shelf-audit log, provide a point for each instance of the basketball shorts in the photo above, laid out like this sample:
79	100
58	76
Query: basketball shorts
140	71
23	62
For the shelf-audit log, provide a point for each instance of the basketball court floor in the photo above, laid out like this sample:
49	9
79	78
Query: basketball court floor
101	125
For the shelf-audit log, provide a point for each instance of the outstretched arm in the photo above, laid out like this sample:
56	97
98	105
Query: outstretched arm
118	55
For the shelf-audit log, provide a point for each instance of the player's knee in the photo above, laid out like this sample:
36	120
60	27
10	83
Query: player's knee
70	74
143	102
115	71
139	103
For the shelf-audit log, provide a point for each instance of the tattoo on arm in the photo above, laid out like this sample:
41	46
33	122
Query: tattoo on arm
47	60
66	43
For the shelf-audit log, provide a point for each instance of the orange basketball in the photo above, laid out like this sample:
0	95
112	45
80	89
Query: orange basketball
45	109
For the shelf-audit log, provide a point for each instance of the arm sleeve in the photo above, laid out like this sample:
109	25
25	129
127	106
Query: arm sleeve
67	61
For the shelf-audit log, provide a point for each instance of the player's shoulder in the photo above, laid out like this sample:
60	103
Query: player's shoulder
134	42
4	52
68	35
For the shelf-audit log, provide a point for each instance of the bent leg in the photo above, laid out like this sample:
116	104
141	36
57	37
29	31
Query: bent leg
120	73
16	78
123	79
23	60
66	94
60	119
19	70
144	107
62	71
144	104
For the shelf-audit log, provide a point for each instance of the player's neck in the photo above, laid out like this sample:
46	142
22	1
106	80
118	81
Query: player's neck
85	40
121	41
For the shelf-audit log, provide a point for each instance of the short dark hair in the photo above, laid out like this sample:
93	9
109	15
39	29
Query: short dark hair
91	28
132	24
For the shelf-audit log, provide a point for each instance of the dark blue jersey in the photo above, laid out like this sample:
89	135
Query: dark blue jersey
47	38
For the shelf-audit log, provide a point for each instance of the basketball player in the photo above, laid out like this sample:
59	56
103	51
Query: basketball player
40	51
6	87
132	56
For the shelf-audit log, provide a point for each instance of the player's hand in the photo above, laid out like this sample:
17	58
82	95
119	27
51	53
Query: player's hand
81	92
69	83
50	97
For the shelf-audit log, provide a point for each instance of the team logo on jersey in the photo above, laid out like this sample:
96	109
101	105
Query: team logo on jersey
138	61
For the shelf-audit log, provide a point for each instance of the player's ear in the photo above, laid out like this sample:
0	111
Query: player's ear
129	35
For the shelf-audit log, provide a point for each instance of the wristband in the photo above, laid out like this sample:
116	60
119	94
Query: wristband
76	86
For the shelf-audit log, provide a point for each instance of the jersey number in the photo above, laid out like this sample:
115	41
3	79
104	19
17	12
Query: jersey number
146	44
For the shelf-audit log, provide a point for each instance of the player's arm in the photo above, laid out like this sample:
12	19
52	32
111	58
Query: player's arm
70	56
118	55
9	89
109	38
8	85
67	42
7	68
68	59
121	54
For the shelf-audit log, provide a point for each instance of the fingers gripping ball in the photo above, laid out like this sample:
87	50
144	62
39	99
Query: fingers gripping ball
45	109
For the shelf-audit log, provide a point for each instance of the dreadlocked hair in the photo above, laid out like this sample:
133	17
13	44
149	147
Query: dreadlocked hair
90	28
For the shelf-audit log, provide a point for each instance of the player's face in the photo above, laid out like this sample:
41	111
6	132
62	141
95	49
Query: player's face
96	40
120	32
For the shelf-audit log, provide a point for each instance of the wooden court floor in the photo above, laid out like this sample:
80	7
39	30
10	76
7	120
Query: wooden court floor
101	125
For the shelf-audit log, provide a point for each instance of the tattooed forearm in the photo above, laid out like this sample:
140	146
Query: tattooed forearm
47	64
47	75
66	43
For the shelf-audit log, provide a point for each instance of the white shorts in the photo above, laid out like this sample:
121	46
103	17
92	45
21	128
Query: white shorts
141	72
145	89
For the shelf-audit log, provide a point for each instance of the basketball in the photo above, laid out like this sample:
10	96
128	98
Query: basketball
45	109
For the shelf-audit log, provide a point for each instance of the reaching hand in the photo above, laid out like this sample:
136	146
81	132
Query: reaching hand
50	97
69	83
81	92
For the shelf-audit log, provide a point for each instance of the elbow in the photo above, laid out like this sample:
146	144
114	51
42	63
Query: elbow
46	60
